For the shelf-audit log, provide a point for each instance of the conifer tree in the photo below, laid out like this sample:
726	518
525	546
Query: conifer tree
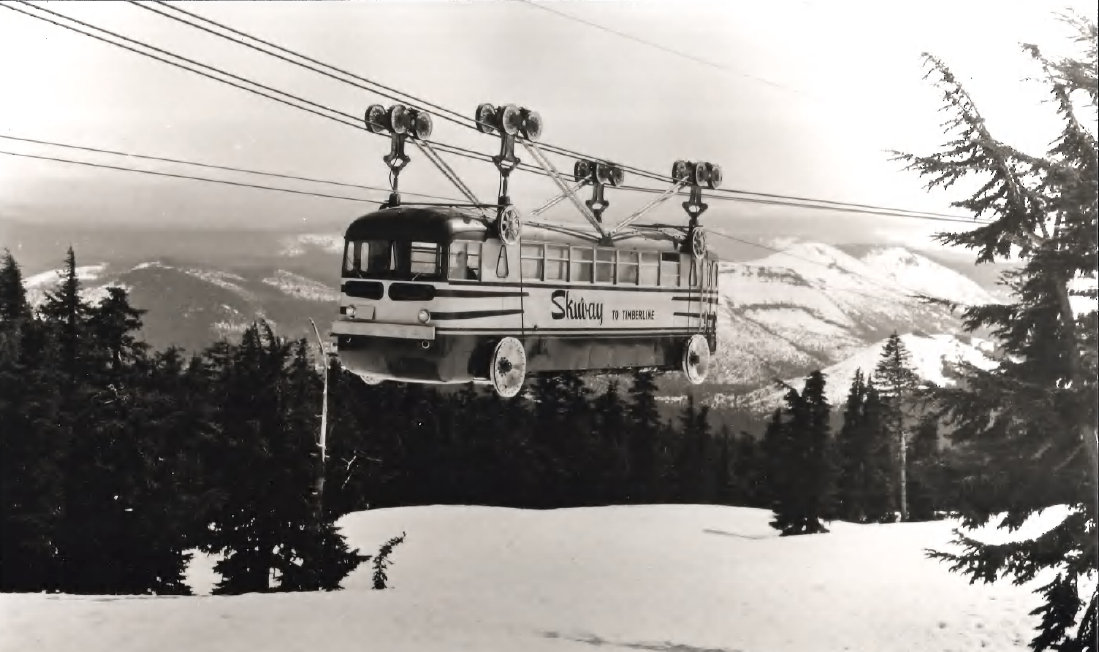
31	488
897	386
267	403
863	457
1026	429
799	448
13	296
563	425
850	481
67	312
644	439
610	454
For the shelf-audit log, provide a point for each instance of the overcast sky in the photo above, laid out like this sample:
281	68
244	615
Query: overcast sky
797	97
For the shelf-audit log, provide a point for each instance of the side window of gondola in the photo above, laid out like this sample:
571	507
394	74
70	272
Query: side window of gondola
604	265
627	267
557	262
351	251
530	257
581	269
425	259
465	260
649	270
669	269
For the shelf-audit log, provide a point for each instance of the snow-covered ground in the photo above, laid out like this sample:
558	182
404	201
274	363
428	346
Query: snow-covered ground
662	578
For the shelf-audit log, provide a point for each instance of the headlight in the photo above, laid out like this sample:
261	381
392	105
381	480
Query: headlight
424	316
350	312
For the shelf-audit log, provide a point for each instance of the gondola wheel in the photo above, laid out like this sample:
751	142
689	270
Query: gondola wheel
696	359
698	242
508	225
508	367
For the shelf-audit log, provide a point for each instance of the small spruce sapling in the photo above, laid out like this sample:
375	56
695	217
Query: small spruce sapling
381	561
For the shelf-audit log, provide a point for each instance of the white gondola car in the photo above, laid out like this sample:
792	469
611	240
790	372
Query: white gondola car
451	294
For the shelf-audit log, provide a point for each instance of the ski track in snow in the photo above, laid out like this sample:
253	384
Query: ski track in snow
679	578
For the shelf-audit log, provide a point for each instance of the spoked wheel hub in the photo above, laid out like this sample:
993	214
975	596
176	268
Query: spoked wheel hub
508	367
696	359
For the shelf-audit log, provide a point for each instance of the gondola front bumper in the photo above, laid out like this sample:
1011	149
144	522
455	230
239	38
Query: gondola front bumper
349	328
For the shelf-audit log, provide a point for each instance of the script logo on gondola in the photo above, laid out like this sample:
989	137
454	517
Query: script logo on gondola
565	307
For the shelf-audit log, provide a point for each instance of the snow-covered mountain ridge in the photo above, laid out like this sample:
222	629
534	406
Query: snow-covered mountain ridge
809	307
813	306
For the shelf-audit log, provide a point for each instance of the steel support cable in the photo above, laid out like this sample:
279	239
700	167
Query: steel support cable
417	102
792	204
186	176
429	152
347	119
556	176
212	166
359	82
173	63
460	119
340	116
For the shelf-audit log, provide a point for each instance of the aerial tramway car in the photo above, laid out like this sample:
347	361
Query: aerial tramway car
456	293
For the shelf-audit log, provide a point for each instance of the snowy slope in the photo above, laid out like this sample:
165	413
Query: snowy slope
90	277
666	578
930	356
920	273
813	305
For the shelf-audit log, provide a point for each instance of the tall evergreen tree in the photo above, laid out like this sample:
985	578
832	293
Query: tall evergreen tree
13	296
1026	429
265	522
31	487
863	457
799	445
897	386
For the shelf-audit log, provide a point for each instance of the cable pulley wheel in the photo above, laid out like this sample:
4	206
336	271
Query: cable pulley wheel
698	242
532	124
510	119
680	171
398	119
509	225
375	118
422	124
486	118
713	179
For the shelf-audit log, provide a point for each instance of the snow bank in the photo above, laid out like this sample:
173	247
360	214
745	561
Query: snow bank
669	578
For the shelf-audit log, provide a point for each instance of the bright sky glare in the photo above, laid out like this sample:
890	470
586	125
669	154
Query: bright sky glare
804	98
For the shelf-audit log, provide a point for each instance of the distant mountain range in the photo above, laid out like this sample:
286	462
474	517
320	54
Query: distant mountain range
812	306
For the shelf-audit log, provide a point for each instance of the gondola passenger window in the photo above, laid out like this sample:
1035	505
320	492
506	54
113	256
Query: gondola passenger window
531	261
557	262
669	269
581	265
425	258
650	268
351	251
393	259
627	268
604	265
465	260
